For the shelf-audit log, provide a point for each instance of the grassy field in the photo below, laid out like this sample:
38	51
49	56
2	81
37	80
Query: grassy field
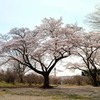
58	93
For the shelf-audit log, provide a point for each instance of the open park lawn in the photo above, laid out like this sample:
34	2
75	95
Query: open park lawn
58	93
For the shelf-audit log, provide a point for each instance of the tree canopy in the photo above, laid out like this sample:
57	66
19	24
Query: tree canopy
42	48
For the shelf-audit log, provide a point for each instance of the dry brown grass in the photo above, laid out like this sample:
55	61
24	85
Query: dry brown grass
58	93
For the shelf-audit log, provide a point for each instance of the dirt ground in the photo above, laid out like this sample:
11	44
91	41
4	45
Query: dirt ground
58	93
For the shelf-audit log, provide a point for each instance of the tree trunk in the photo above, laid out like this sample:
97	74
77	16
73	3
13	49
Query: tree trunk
95	81
21	78
46	81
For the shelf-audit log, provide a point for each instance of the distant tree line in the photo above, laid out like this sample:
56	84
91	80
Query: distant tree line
32	79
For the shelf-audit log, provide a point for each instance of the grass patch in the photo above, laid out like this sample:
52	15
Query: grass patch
12	85
75	97
4	84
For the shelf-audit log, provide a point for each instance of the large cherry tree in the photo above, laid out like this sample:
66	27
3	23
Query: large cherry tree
42	48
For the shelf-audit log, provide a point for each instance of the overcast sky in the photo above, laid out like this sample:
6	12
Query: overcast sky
29	13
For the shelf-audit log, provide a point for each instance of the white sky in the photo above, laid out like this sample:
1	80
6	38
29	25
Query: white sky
29	13
62	66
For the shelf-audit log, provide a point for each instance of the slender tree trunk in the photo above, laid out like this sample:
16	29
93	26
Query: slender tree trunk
21	78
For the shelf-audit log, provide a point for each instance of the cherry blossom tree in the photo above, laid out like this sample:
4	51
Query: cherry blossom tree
41	49
3	39
88	48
